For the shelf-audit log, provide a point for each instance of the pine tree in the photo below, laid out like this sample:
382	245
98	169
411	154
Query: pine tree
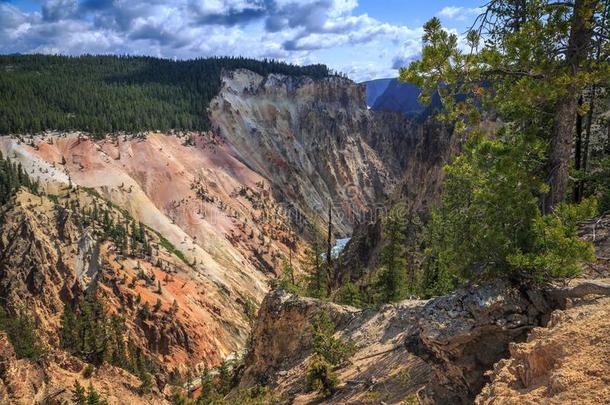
329	251
174	308
392	276
207	383
93	398
528	63
146	382
315	265
225	378
157	306
504	209
78	394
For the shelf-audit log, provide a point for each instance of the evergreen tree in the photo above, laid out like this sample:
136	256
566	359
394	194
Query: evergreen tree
528	62
78	394
315	265
392	276
93	398
325	344
157	306
329	251
503	210
287	278
22	334
225	378
207	383
321	377
146	382
349	294
12	178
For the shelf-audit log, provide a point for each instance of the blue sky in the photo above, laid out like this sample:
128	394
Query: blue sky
366	39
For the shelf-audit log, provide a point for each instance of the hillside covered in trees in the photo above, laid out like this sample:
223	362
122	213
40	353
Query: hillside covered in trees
101	94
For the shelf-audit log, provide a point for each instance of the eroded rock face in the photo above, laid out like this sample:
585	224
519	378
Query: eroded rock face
464	333
283	331
50	255
444	345
315	141
381	369
419	187
24	382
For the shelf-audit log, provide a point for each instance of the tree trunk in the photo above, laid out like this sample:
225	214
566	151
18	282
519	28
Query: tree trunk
565	113
586	287
578	153
329	247
585	145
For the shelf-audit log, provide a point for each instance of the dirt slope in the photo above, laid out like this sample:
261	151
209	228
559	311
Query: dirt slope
564	363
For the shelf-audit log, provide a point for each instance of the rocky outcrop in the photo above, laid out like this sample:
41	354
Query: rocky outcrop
464	333
276	344
445	345
380	370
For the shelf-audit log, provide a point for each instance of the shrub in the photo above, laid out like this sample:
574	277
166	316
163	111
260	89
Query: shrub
88	371
325	344
320	377
22	334
349	294
556	249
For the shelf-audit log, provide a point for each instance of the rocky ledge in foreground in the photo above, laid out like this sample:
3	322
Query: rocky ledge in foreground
434	351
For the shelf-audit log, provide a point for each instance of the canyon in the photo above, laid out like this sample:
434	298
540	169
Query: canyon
219	214
221	211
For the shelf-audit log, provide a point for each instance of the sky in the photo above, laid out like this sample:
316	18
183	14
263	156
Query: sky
365	39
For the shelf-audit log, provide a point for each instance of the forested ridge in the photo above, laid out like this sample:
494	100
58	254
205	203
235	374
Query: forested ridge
102	94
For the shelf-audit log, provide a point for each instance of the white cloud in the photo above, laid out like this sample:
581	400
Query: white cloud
293	30
459	13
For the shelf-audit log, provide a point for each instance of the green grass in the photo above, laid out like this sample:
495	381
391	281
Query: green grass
171	248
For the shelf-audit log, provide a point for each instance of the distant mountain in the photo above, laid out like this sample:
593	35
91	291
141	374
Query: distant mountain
392	95
374	89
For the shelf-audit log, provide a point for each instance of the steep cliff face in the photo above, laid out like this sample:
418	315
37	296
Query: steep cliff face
214	211
51	254
314	140
419	187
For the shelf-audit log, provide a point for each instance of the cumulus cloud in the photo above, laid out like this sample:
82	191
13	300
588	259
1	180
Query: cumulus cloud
53	10
292	30
459	13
